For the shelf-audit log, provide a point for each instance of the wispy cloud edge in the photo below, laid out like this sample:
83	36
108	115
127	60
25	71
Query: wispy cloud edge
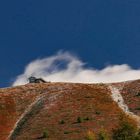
65	67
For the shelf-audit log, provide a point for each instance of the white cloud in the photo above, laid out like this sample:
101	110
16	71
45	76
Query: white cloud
65	67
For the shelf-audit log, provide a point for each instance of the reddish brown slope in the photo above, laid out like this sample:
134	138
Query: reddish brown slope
131	95
13	102
55	103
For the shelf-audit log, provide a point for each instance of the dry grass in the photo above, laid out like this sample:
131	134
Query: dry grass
62	101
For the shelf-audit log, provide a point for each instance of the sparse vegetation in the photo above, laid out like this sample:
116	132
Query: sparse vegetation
68	115
45	134
98	112
103	135
62	122
90	135
138	94
79	120
86	119
67	132
126	131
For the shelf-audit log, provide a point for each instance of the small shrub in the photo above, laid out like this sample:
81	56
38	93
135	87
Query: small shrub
90	135
138	94
126	131
79	120
86	119
45	134
98	112
62	122
67	132
103	135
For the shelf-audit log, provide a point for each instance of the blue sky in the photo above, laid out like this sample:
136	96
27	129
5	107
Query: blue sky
99	32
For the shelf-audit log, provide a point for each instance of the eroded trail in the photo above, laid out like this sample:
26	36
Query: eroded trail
35	106
117	97
32	109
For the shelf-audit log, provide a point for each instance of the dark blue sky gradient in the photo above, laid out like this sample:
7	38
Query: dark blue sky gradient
100	32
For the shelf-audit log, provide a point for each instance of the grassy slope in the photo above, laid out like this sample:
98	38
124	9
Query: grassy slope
62	101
